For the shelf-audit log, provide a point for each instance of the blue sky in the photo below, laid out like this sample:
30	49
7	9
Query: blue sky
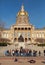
35	9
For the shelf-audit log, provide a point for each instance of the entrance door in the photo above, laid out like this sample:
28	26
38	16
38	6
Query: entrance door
21	39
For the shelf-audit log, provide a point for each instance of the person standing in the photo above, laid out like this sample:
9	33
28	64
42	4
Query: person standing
44	52
39	53
13	52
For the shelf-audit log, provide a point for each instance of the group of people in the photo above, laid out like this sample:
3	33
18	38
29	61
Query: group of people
23	52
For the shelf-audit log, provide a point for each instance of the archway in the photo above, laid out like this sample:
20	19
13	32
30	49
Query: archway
21	39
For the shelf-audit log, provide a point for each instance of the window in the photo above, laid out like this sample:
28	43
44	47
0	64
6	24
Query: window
42	35
22	28
28	34
25	39
29	38
33	35
15	39
18	28
5	35
23	34
37	35
29	28
25	28
15	28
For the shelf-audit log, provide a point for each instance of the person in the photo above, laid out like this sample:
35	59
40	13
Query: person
15	60
44	52
7	52
13	53
39	53
16	52
30	52
10	52
34	53
21	51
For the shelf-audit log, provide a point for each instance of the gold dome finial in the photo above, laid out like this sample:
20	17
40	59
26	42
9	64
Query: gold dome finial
22	7
22	11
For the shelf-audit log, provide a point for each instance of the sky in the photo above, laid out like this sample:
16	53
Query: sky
35	9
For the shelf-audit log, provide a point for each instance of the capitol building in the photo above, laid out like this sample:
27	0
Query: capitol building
23	33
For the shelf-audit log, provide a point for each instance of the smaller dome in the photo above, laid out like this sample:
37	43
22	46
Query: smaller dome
22	12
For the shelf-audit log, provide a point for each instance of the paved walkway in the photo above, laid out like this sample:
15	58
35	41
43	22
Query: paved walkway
21	61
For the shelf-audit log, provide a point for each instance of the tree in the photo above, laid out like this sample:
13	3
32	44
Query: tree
40	40
2	26
43	27
4	40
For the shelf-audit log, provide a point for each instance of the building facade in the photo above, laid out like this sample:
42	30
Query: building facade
23	33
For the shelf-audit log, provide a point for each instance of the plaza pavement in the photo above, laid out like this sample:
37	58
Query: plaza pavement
21	61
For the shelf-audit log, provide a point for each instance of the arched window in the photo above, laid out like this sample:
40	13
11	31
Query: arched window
15	39
15	28
29	38
25	39
22	28
29	28
18	28
21	39
25	28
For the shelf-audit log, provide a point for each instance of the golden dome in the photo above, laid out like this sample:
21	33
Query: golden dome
22	12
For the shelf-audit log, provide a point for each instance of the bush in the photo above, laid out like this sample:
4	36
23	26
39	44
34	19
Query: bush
3	44
41	44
